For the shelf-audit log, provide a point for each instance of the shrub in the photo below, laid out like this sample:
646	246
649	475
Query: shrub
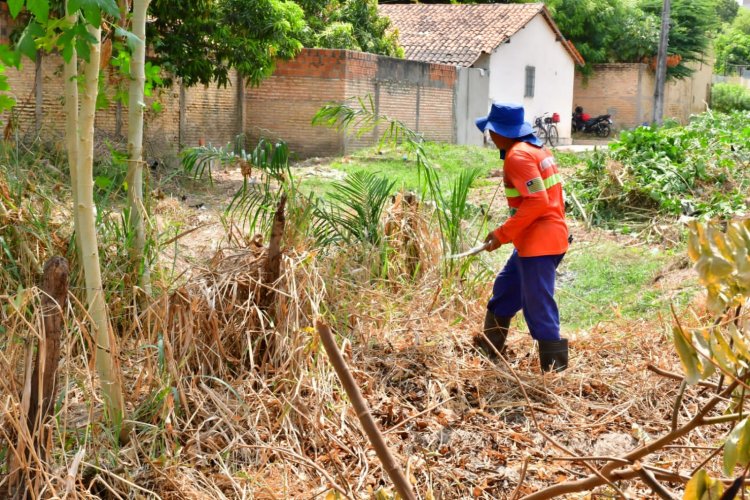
727	97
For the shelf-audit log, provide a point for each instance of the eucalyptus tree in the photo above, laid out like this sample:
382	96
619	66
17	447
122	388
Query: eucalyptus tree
137	208
76	34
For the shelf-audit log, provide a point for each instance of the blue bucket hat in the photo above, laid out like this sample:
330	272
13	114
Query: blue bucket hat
508	120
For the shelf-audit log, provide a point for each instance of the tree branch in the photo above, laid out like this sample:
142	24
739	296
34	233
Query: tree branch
610	472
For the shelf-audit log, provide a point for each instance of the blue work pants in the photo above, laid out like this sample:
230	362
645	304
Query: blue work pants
528	284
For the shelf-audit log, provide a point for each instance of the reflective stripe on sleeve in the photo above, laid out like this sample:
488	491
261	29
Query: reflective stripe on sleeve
552	180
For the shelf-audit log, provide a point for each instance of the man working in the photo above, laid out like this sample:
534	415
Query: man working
538	232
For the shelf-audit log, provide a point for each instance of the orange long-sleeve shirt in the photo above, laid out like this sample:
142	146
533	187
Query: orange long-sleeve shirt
534	190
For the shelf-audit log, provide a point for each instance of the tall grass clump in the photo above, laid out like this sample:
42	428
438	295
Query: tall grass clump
32	228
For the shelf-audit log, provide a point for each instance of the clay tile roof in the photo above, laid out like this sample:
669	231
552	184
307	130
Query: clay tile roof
459	34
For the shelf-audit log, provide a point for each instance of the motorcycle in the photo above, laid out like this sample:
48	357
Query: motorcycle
600	125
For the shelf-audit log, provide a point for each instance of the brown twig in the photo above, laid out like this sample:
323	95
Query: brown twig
678	405
610	471
678	377
363	413
655	486
517	490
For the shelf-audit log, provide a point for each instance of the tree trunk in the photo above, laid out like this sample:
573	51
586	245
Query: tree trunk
135	145
106	348
272	266
43	389
70	75
661	65
182	127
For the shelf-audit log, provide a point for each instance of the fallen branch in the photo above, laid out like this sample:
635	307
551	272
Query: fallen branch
610	472
363	413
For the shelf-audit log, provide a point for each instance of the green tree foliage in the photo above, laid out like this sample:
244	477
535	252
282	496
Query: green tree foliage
200	41
742	21
693	23
732	46
628	31
727	10
349	24
728	97
607	31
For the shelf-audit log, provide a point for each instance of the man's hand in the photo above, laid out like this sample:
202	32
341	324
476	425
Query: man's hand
491	242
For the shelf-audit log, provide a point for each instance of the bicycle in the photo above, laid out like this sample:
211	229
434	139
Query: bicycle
546	130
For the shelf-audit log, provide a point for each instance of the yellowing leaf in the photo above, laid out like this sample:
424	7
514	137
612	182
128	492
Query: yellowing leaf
703	487
688	356
696	486
722	352
713	269
714	489
701	344
719	244
694	247
740	342
737	447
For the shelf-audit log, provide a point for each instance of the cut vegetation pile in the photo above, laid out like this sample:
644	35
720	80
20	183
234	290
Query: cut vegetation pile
701	169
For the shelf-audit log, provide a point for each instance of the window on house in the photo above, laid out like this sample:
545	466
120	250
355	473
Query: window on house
530	77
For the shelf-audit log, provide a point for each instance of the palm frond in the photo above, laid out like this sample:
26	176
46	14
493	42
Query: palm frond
199	161
354	209
457	209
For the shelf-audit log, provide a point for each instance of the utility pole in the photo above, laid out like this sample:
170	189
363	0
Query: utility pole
661	65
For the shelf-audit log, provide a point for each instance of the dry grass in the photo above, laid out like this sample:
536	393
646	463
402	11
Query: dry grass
231	404
229	399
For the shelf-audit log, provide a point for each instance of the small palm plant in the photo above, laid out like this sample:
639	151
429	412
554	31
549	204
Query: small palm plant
353	210
450	210
266	177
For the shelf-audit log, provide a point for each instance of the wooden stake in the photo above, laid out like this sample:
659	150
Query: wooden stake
54	300
42	384
363	413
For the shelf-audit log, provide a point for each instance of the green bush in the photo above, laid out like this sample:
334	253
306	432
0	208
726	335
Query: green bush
699	170
727	97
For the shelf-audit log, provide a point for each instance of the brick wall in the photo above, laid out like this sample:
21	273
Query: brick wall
283	105
617	89
626	91
419	94
207	113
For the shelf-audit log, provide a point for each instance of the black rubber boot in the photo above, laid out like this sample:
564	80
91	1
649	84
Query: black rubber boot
496	330
553	355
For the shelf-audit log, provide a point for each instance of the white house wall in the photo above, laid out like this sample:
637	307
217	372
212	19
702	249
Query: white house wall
535	45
